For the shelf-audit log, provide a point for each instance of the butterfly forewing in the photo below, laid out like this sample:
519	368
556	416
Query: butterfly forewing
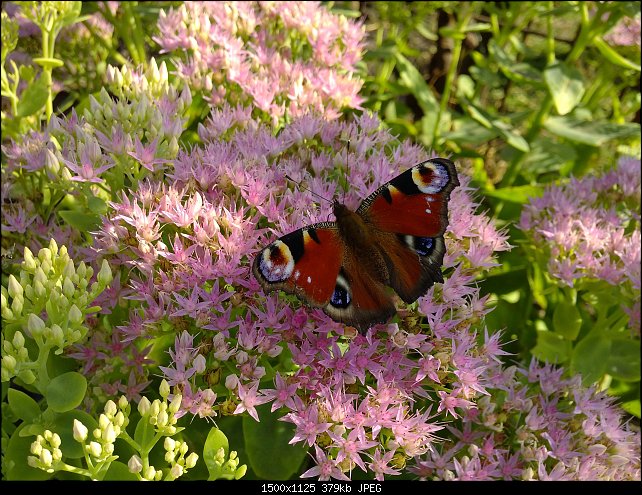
305	262
415	202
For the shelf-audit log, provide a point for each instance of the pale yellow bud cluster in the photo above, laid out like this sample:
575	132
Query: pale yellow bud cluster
161	414
46	452
48	284
111	423
137	90
229	467
175	452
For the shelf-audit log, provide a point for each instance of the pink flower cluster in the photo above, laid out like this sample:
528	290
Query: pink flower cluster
626	32
536	425
112	366
284	58
418	394
591	228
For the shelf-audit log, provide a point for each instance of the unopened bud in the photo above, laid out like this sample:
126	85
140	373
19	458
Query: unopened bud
80	431
52	165
176	471
18	340
135	464
175	405
190	460
35	325
104	275
95	449
164	389
15	289
144	406
75	315
29	262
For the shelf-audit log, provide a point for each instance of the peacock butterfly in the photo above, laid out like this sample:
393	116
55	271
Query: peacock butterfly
395	239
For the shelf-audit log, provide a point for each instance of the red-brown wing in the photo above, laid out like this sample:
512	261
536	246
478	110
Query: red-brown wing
358	299
314	264
415	202
305	262
414	263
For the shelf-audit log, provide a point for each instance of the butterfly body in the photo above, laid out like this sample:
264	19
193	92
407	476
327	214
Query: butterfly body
394	239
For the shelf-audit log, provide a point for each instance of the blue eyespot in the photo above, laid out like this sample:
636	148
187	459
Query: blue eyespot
340	297
424	245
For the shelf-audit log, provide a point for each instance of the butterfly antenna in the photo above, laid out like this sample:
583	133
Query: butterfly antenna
307	189
343	200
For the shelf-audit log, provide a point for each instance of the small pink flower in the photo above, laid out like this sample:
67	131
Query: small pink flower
249	400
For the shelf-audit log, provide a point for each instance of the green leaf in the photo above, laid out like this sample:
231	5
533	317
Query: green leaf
31	430
491	122
551	348
482	26
63	424
119	471
15	458
266	443
216	440
412	79
33	98
515	194
467	131
144	433
614	57
565	85
519	72
590	357
593	133
97	205
624	360
547	156
84	222
66	392
49	62
23	406
567	320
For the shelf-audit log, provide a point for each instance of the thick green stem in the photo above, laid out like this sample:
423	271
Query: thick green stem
74	469
452	70
41	363
47	52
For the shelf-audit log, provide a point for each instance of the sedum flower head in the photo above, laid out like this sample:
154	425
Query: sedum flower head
590	231
626	32
48	302
284	58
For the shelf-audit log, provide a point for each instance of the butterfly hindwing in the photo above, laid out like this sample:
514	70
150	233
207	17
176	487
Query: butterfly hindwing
359	299
414	263
305	262
415	202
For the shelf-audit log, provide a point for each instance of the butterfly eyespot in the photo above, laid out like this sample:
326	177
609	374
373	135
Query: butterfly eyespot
341	295
340	298
276	263
430	177
423	245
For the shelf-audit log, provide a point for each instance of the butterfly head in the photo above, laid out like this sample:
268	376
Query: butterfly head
340	210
